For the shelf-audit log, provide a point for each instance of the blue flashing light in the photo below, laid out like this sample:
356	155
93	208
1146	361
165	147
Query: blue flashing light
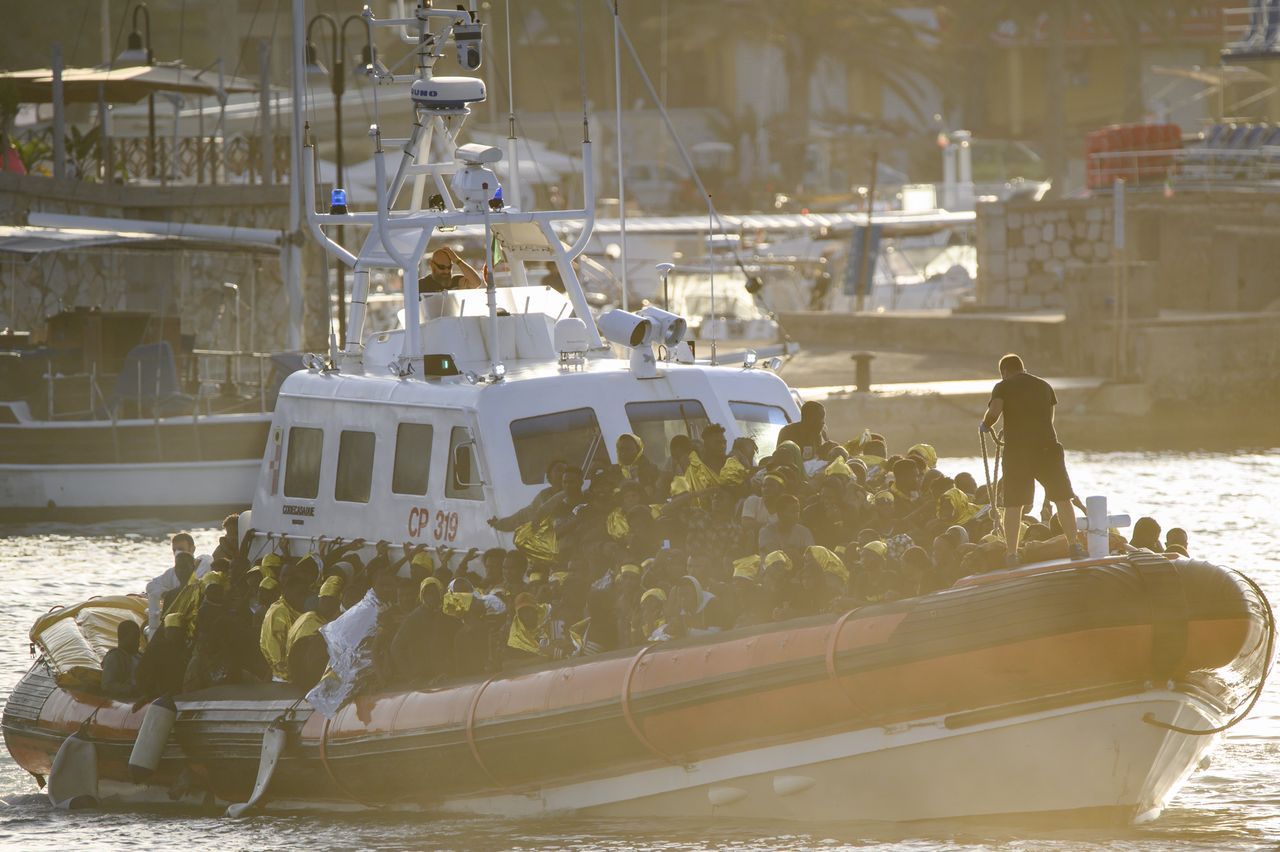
338	201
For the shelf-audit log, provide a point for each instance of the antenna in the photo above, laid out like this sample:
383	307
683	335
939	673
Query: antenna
622	184
513	161
711	254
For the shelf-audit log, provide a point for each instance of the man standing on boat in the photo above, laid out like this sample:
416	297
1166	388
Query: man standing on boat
442	277
1031	450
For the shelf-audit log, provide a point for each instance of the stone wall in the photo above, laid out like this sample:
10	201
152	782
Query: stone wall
172	278
1027	250
1207	252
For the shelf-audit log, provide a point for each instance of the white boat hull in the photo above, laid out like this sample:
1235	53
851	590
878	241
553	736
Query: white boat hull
156	487
1095	762
1098	757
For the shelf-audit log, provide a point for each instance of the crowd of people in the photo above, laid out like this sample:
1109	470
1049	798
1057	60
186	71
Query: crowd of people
712	539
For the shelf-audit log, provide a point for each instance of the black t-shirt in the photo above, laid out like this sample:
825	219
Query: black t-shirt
1028	412
805	436
430	284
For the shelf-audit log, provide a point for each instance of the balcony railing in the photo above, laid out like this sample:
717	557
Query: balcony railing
234	159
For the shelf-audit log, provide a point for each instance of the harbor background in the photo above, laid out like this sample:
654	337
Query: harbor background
1225	501
1170	407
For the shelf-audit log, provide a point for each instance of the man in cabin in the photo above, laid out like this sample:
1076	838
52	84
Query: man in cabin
1031	450
442	277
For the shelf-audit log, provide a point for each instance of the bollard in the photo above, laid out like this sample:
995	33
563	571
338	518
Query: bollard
862	371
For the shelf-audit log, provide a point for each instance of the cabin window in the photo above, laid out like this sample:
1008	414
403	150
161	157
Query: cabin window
464	472
351	484
658	422
302	467
413	458
761	423
573	437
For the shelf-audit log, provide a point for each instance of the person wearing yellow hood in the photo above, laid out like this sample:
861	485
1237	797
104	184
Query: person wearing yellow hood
954	508
184	570
305	649
747	567
528	639
273	640
631	497
652	620
926	453
692	474
874	582
829	563
310	622
738	466
633	464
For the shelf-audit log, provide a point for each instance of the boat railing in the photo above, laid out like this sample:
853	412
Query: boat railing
1226	156
222	375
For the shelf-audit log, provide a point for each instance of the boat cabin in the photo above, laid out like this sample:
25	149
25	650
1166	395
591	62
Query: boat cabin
431	456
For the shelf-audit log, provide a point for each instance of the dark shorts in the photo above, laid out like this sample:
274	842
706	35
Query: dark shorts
1024	468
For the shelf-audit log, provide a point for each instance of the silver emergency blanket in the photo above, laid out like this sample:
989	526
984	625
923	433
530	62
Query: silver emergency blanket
350	641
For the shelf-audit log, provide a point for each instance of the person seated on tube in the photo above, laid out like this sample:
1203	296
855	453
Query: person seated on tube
164	662
274	637
687	608
1175	541
305	648
1146	534
214	659
528	639
422	648
473	641
184	568
120	664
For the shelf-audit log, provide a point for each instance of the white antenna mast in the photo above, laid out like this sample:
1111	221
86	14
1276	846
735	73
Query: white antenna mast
622	185
513	164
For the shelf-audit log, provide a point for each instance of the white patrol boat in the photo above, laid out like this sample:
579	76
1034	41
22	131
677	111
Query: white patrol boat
425	432
1089	688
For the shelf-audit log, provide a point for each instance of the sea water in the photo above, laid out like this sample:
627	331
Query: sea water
1228	503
